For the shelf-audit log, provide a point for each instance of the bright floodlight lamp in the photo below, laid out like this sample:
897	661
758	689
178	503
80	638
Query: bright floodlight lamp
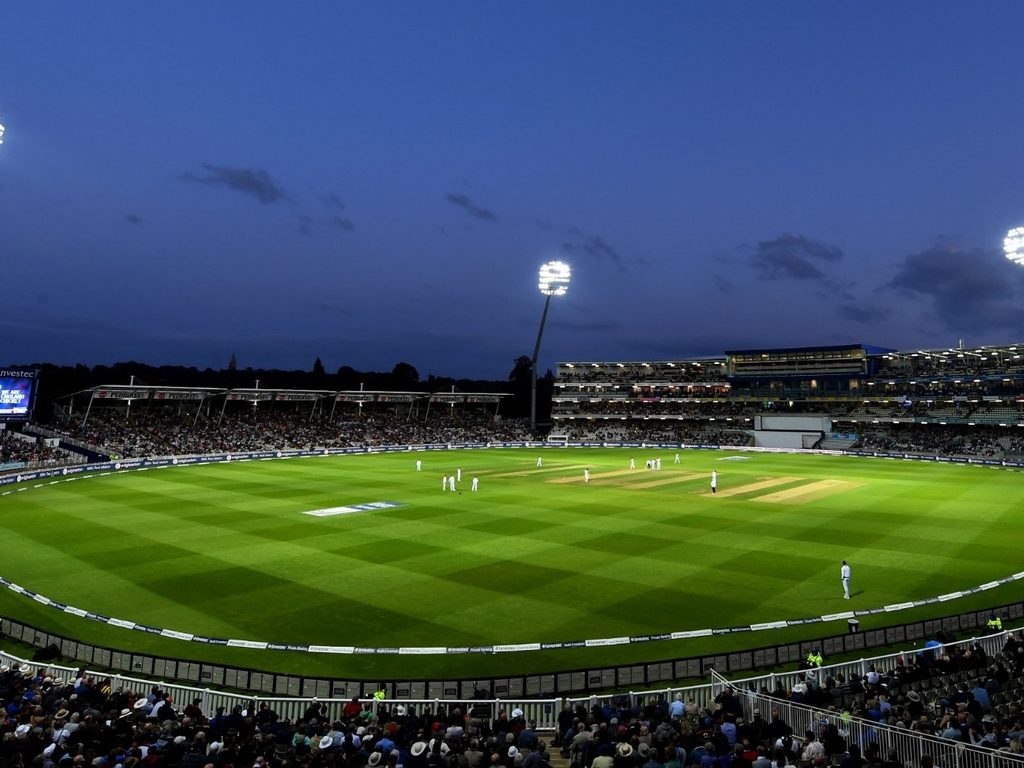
553	280
1	133
1013	245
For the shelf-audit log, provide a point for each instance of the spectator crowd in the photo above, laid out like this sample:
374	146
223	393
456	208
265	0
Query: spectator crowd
166	433
17	450
955	693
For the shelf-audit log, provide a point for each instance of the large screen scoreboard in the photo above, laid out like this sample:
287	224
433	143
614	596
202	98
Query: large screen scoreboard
17	392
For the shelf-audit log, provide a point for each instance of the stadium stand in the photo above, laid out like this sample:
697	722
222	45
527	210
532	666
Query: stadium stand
110	427
956	402
952	402
18	450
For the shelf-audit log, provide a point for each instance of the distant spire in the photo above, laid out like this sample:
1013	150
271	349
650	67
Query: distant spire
232	363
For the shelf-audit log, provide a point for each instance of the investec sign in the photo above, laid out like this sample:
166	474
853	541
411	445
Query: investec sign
18	374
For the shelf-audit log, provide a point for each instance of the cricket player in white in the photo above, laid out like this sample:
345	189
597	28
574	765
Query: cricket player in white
540	461
844	574
444	482
632	464
677	459
476	483
458	474
419	465
586	475
714	481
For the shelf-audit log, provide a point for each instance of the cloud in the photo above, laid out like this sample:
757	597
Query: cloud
723	285
474	210
249	181
39	320
309	225
968	290
584	327
133	218
594	246
865	314
340	222
334	201
793	257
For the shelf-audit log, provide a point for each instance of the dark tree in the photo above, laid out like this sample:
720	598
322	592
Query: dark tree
405	377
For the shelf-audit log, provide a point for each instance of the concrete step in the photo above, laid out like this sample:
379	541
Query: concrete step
554	753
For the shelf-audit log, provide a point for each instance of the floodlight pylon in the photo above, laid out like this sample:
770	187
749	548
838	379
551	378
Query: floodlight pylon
553	280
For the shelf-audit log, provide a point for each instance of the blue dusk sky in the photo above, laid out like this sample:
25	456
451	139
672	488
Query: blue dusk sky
378	182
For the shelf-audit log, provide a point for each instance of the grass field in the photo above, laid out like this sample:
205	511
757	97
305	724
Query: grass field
226	550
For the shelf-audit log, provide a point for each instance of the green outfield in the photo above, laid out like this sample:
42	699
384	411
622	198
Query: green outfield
536	555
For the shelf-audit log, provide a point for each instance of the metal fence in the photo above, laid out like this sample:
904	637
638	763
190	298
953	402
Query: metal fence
703	695
580	682
544	712
908	745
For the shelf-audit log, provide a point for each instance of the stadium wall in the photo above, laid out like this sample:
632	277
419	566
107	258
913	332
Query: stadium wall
785	440
589	681
793	423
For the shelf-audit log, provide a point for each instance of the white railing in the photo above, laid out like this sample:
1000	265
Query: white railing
908	745
703	694
46	432
544	712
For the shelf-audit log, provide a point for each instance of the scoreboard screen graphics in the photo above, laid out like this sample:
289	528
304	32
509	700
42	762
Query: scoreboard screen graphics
17	392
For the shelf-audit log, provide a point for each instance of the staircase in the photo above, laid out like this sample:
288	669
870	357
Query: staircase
554	753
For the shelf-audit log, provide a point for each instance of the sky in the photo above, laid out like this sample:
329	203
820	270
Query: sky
378	182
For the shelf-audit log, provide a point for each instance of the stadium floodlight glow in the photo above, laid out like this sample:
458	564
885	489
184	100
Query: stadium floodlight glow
553	280
1013	245
1	133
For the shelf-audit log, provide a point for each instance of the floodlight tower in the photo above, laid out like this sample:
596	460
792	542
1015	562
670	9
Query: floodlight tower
553	281
1013	245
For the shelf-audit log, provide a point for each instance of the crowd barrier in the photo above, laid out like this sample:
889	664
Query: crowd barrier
187	460
592	680
544	712
909	745
703	695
